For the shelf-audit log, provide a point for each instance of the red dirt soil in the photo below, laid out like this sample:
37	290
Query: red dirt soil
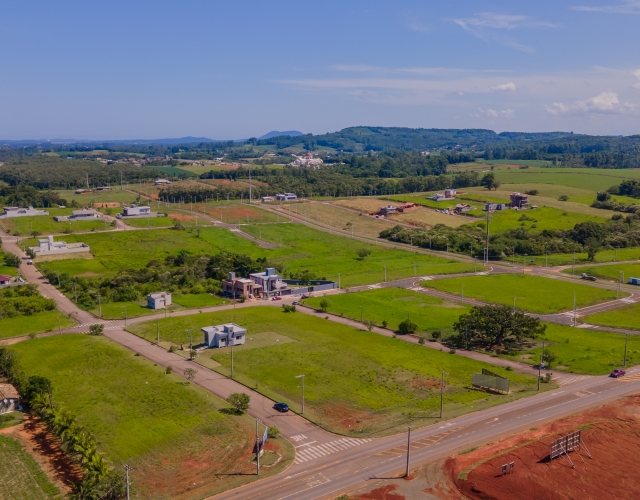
382	493
612	435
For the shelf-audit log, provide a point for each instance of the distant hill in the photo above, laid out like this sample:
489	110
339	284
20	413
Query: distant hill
277	133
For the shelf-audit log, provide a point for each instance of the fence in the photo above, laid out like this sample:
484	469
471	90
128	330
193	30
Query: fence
490	381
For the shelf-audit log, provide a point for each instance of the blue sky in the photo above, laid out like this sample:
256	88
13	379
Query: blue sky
233	69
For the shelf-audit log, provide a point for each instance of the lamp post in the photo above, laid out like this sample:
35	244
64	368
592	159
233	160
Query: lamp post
442	394
258	421
190	342
127	468
626	340
406	474
302	377
125	315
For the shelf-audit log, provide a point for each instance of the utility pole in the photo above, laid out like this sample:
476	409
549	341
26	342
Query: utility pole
231	360
462	294
575	310
100	305
125	315
626	340
59	329
573	265
250	193
120	180
466	336
338	281
75	295
406	474
385	274
442	395
415	273
128	468
486	247
190	342
302	377
257	448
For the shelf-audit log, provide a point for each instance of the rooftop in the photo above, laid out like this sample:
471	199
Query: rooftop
7	391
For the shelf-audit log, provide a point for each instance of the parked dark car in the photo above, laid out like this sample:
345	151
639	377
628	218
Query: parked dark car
281	407
587	277
617	373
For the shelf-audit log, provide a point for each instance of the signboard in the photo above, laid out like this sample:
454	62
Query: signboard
264	437
565	444
485	381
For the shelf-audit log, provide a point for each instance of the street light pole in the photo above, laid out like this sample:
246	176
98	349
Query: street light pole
406	474
626	340
125	315
100	305
190	342
231	360
442	394
302	377
128	468
257	448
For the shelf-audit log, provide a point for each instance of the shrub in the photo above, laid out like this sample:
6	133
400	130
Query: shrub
168	370
563	197
407	327
97	329
421	341
239	400
273	432
384	323
532	192
324	305
436	334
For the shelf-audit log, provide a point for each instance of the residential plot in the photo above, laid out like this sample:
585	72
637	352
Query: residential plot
45	224
394	305
539	219
531	293
613	272
626	317
357	382
41	322
117	310
594	179
114	195
564	259
167	431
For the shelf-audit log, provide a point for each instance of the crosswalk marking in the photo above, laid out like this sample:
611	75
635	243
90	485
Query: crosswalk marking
417	445
628	300
563	381
323	449
584	325
629	378
427	278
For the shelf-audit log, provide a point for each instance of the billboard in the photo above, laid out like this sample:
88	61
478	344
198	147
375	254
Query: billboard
490	381
565	444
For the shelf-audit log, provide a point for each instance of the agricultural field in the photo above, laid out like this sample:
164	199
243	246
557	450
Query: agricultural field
611	272
357	382
341	219
531	293
582	351
394	305
303	248
627	317
87	200
22	477
45	321
592	179
44	224
528	163
168	436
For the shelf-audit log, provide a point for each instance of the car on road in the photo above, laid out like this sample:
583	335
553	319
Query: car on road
588	277
618	372
276	298
29	262
281	407
295	302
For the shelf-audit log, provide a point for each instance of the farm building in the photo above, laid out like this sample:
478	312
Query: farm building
83	191
519	200
103	188
83	214
21	212
388	210
224	335
238	287
47	246
407	206
267	198
495	206
158	300
437	197
9	398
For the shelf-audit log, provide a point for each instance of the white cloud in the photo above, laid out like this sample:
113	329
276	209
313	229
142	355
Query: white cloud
492	113
604	103
509	87
636	73
628	7
490	20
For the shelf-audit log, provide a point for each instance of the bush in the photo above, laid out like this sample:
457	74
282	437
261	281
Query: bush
421	341
532	192
436	334
239	400
273	432
12	260
384	323
288	309
97	329
407	327
563	197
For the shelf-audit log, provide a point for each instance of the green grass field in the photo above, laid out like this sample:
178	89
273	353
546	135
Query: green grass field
191	301
8	270
611	272
394	305
41	322
22	477
593	179
626	317
166	430
381	382
529	163
116	310
583	351
532	293
538	219
302	248
565	259
150	222
44	224
122	197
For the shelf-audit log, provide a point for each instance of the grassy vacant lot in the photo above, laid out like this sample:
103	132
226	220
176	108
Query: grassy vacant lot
150	222
537	219
583	351
626	317
116	310
122	197
422	200
41	322
357	382
532	293
167	431
302	248
22	477
529	163
394	305
594	179
564	259
44	224
339	218
611	272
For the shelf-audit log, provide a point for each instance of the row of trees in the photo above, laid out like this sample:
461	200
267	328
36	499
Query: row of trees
100	481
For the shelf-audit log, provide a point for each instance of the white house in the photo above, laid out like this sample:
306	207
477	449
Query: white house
224	335
135	210
21	212
269	281
437	197
162	182
9	398
449	193
286	197
158	300
47	246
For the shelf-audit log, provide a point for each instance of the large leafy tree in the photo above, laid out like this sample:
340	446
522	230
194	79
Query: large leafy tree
495	324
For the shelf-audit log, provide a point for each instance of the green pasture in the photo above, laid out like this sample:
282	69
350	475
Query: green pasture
140	416
626	317
611	272
593	179
22	477
115	195
532	293
566	259
45	224
537	219
583	351
45	321
174	171
76	266
150	222
116	310
303	248
528	163
8	270
394	305
373	383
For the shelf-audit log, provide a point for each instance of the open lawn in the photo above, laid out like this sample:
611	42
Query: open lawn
611	272
45	321
116	310
22	477
150	222
529	163
532	293
345	220
7	270
564	259
45	224
357	383
394	305
116	195
191	301
626	317
303	248
582	350
166	430
593	179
